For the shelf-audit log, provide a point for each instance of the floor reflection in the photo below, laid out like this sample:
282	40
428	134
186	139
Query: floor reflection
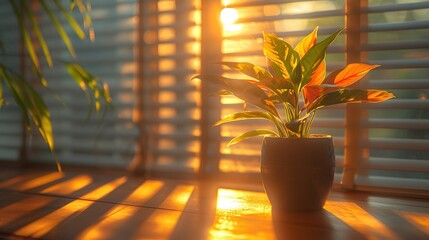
20	209
117	216
420	220
45	224
69	186
161	223
165	209
232	205
360	220
39	181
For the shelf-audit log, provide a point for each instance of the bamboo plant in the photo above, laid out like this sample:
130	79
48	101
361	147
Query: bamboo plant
292	73
24	93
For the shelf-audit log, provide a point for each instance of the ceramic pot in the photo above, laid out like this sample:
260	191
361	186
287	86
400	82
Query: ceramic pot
298	173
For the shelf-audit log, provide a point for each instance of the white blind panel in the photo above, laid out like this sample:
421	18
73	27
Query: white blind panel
111	57
242	41
398	144
10	119
171	57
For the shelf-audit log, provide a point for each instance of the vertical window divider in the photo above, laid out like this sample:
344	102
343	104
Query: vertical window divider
143	155
141	147
211	44
354	132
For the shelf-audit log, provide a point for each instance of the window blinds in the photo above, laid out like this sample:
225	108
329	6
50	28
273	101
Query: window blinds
395	154
171	48
10	120
111	57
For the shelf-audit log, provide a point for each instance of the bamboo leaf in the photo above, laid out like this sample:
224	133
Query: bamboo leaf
96	91
8	80
84	10
38	33
252	133
25	35
77	29
59	28
32	107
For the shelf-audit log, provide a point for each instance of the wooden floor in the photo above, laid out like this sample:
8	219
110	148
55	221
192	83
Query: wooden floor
46	205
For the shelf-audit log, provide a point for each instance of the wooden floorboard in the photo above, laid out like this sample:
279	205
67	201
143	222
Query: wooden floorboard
39	204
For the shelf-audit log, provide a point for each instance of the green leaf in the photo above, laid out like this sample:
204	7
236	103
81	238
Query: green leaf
250	70
253	133
32	107
25	34
345	95
96	91
84	10
77	29
314	57
38	33
8	79
238	116
246	90
282	58
59	28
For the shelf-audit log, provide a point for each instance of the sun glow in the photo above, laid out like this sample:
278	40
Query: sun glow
228	17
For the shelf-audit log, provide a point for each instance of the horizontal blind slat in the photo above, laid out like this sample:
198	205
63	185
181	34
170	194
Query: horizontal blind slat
396	164
396	7
409	124
397	144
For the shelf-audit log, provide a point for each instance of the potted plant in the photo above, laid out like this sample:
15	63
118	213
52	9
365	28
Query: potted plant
297	167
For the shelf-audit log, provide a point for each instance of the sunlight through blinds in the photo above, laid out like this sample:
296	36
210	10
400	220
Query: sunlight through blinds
242	41
111	57
395	156
171	49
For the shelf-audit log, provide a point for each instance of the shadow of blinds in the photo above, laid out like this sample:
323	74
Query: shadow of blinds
111	57
242	42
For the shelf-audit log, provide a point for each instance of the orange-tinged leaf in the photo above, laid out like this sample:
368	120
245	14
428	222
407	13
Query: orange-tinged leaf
311	93
314	57
352	73
306	43
319	75
374	95
344	95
